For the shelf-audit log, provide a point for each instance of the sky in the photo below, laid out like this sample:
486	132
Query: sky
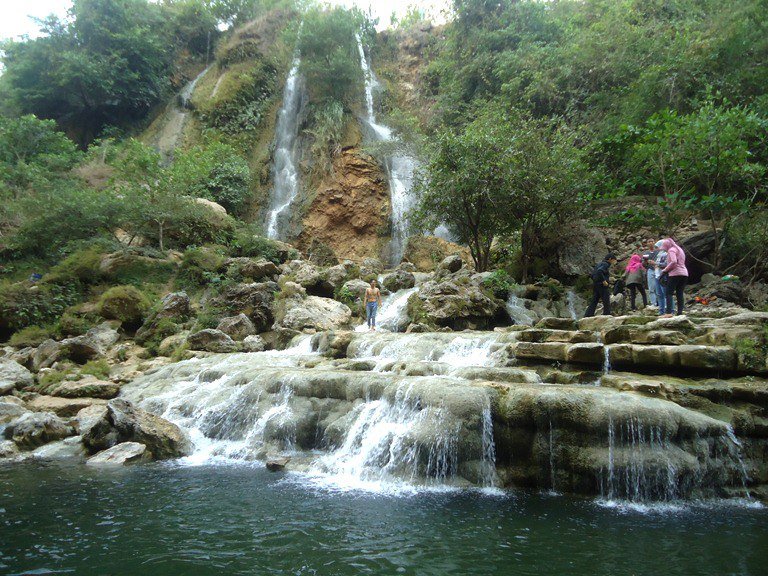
15	21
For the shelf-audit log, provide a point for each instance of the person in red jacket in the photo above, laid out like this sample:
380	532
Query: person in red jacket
677	272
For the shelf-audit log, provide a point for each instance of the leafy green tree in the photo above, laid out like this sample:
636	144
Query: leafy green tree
33	153
504	173
703	161
216	172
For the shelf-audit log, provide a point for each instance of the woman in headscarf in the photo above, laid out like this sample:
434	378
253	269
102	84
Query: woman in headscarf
677	272
634	278
661	286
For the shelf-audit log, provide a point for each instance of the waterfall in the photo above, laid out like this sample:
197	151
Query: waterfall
285	174
573	302
518	312
176	118
736	452
552	474
488	476
399	167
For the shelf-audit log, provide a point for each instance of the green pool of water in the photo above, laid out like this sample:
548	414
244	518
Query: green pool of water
228	520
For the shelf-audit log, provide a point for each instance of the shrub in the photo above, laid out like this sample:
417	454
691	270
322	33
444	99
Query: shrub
98	368
30	336
23	304
82	265
201	265
500	283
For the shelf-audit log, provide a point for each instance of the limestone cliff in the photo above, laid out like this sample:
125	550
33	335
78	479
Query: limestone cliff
350	209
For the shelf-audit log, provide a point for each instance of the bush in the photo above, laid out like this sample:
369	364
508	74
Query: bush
98	368
24	304
201	265
124	303
30	336
82	265
248	241
500	283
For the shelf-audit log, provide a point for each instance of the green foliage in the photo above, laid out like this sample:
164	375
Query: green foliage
500	283
23	304
160	330
327	130
107	65
82	265
249	241
330	61
244	98
215	172
201	266
504	173
98	368
30	336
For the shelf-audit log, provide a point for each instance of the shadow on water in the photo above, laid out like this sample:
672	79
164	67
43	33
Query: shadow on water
170	520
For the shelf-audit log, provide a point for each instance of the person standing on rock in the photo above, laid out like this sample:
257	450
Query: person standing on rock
634	278
659	263
649	257
601	276
372	303
678	274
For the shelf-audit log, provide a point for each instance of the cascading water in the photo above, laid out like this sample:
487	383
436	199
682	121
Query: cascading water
518	312
285	173
176	118
400	167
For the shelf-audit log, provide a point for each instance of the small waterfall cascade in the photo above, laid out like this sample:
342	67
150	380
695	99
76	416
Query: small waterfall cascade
176	118
552	468
400	167
574	304
488	476
518	312
393	314
285	173
395	441
644	463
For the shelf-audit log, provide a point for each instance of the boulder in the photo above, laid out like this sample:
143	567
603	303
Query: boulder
211	340
64	407
254	300
253	343
10	411
175	306
314	313
47	354
332	344
170	344
399	280
34	429
104	335
95	428
81	349
277	464
356	287
427	252
450	264
371	267
163	438
121	455
13	375
456	305
338	275
8	449
253	268
311	278
580	247
237	327
215	208
124	303
87	388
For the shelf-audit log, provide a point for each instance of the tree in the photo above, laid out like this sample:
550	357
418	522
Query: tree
504	173
702	161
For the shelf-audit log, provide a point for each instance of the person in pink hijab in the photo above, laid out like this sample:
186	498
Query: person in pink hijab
634	278
677	273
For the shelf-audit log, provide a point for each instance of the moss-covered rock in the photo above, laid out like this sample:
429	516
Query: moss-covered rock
124	303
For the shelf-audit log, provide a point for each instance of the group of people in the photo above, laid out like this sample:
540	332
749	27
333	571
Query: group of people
660	269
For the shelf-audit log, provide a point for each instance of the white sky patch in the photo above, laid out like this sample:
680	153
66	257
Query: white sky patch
16	22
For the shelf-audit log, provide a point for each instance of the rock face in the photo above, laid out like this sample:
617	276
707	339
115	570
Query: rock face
121	455
350	209
211	341
254	300
314	314
399	280
175	306
13	375
63	407
456	304
237	327
121	421
87	388
34	429
579	249
426	252
254	269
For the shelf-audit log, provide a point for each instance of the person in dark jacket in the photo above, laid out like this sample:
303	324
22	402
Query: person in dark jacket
600	286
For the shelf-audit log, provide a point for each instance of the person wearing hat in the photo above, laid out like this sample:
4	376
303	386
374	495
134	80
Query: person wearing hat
601	277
